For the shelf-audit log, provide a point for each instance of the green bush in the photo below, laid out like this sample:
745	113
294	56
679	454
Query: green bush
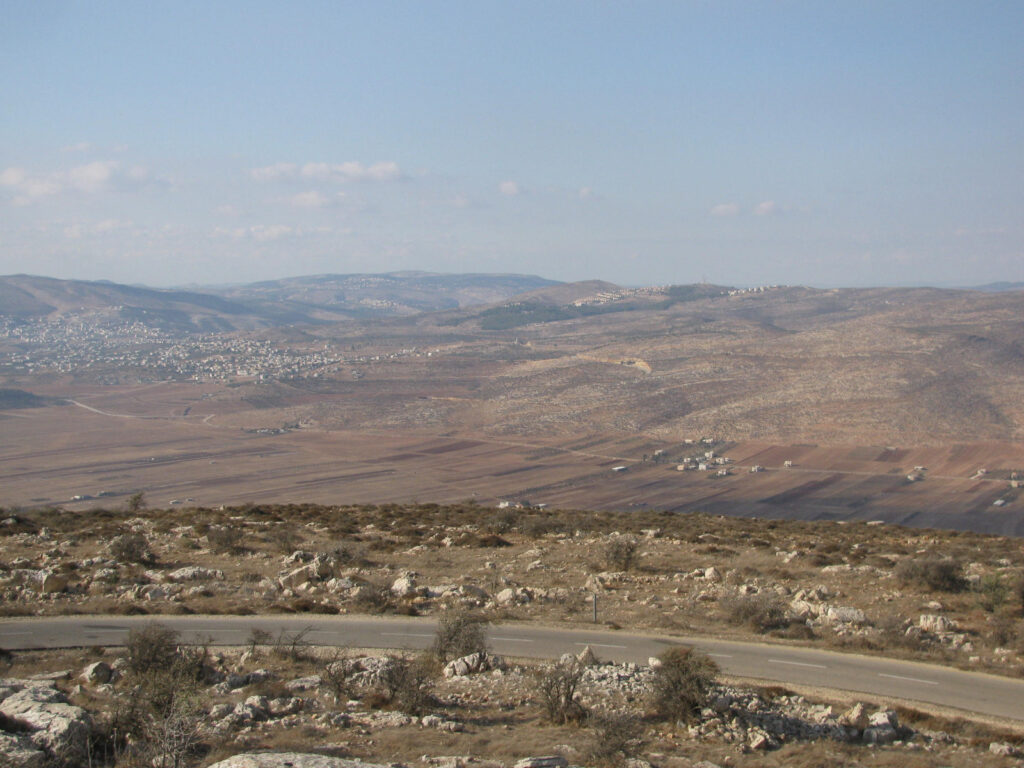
932	573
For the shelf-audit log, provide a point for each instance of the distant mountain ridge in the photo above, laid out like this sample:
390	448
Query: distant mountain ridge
308	300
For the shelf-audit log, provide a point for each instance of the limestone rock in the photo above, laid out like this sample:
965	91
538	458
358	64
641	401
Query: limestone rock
56	725
195	573
97	673
404	586
472	664
18	751
291	760
935	624
882	728
547	761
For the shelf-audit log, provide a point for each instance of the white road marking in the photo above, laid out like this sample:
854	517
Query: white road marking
911	679
405	634
513	639
720	655
12	634
601	645
797	663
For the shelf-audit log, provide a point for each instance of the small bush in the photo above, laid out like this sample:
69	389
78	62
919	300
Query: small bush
153	646
374	598
932	573
621	552
407	682
460	633
761	613
616	737
224	538
131	548
294	646
556	686
681	684
502	521
336	673
993	592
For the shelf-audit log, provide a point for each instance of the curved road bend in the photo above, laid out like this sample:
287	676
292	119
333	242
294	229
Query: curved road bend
913	681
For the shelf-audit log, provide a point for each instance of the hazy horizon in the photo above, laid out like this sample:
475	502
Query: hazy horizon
644	143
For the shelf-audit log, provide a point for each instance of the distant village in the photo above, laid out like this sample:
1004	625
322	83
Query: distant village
135	349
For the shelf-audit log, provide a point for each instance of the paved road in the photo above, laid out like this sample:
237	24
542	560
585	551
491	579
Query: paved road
926	683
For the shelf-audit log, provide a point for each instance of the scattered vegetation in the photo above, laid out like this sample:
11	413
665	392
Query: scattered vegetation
760	613
131	548
621	553
932	573
681	684
460	633
557	688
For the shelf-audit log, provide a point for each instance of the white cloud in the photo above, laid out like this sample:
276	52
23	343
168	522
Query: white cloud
91	177
766	208
272	172
260	232
509	188
316	170
109	225
348	171
12	177
311	199
79	230
725	209
82	146
263	233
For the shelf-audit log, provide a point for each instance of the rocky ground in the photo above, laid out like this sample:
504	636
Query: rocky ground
478	710
943	596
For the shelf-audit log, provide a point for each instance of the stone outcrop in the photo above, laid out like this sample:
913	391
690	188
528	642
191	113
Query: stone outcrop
472	664
53	724
291	760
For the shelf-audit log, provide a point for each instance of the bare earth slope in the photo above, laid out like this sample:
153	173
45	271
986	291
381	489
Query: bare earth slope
856	387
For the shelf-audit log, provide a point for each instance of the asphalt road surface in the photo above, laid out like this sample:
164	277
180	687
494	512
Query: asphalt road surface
870	675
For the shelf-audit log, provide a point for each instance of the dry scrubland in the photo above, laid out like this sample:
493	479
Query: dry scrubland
942	596
434	407
946	596
174	443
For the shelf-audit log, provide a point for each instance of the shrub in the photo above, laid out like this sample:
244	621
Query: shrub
621	552
374	598
681	683
460	633
760	613
616	737
131	548
294	647
153	646
932	573
224	538
556	686
407	681
337	672
992	592
502	521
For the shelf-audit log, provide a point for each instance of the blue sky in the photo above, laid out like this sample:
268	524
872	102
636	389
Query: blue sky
823	143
